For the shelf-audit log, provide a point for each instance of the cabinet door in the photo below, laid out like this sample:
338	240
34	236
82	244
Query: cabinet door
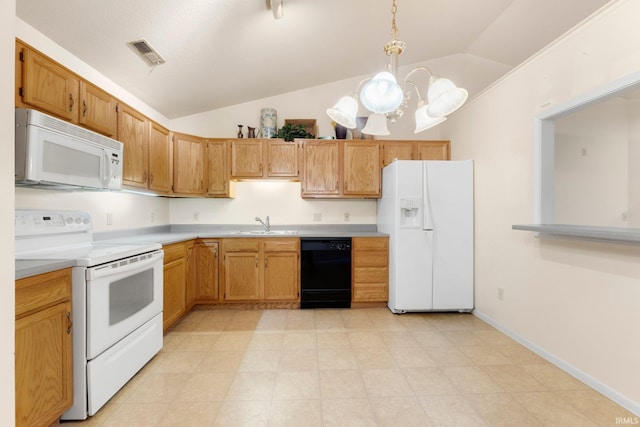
43	366
246	158
321	168
174	303
97	110
281	280
362	175
392	150
207	289
241	276
49	87
188	164
433	150
133	132
282	158
191	292
160	159
217	171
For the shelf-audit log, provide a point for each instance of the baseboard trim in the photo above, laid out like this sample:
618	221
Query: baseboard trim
598	386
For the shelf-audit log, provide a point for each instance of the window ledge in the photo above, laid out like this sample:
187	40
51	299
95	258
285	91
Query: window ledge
606	234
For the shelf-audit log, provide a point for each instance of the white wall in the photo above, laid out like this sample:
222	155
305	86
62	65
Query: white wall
7	277
576	300
126	210
280	200
634	166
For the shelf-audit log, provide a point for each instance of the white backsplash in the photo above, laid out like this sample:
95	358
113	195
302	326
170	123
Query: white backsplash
280	200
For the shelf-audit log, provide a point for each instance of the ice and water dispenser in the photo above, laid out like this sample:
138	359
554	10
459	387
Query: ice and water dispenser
410	212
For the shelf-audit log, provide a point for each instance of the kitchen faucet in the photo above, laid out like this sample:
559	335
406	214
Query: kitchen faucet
266	225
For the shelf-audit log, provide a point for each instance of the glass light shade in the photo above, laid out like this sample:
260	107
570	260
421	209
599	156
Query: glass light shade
423	120
444	97
376	125
344	112
382	94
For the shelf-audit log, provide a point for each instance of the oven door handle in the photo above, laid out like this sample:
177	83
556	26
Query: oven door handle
123	266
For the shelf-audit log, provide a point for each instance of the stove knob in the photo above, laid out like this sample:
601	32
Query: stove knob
69	220
85	221
78	220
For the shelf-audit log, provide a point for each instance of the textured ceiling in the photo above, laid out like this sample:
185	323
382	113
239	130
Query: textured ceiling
225	52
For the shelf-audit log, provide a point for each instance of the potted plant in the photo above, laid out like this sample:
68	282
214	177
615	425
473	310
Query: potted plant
290	131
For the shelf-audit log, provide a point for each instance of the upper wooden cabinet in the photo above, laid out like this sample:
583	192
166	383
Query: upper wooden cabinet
339	168
282	158
47	86
264	158
218	183
189	164
133	132
415	150
246	158
97	110
160	159
321	168
361	166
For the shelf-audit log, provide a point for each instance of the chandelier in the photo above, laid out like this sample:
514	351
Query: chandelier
384	97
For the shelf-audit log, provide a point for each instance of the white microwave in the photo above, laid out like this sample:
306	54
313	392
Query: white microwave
52	153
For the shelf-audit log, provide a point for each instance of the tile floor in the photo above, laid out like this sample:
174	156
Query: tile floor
359	367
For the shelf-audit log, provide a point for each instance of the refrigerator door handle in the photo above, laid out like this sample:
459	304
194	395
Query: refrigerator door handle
427	217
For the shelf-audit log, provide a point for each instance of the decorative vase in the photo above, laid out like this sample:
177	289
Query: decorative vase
251	132
268	122
341	132
240	131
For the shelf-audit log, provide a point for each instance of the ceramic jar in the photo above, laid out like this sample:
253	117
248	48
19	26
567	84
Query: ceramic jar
268	122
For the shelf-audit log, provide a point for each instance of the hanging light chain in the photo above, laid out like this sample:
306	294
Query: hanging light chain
394	28
395	46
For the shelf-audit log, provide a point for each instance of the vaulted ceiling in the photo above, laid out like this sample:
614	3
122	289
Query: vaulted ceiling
225	52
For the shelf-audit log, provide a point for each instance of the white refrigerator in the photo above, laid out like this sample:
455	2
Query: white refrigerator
427	209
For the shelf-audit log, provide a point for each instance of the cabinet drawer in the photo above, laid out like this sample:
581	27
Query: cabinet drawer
372	292
36	292
370	259
370	243
241	245
174	252
280	245
370	274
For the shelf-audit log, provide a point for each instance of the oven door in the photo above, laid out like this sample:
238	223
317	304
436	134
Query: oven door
121	296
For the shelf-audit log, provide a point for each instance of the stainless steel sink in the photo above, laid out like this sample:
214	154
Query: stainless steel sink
268	233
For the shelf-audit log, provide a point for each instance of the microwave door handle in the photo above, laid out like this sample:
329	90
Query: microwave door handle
107	170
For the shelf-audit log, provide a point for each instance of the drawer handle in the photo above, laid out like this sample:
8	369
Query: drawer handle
71	102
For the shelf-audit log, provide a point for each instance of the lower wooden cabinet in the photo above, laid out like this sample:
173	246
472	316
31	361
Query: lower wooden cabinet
260	270
370	263
43	348
175	283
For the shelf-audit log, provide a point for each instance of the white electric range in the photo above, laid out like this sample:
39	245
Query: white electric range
116	302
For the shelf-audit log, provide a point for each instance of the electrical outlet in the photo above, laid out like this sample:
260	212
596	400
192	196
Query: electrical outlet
317	216
152	217
196	215
109	218
501	294
347	217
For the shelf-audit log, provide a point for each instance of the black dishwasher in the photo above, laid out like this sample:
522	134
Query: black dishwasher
325	268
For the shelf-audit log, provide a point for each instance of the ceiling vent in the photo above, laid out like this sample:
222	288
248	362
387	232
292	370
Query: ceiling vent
146	52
